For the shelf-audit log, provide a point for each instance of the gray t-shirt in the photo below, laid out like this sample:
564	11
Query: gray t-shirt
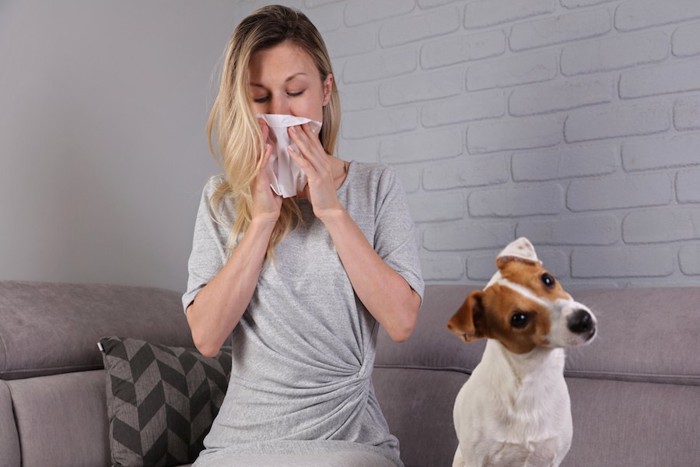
304	349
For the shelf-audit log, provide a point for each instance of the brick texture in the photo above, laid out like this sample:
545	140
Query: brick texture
661	225
462	236
511	71
471	171
686	40
614	52
513	202
412	28
619	120
446	268
656	153
591	229
489	12
558	29
638	14
655	189
688	186
463	48
627	261
570	162
690	259
500	135
686	113
434	207
421	146
679	77
575	123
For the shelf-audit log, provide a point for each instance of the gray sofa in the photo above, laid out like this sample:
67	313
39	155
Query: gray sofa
635	391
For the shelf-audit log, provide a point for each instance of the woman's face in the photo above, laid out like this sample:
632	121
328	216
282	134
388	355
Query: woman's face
285	80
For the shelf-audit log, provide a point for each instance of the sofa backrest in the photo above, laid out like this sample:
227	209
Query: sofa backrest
50	328
51	379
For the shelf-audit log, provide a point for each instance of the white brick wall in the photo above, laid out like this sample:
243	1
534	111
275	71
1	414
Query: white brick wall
575	123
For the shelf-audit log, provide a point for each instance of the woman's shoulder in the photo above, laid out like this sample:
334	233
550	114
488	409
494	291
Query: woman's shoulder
372	171
216	200
214	184
374	174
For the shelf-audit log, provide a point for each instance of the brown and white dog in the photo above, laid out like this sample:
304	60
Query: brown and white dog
514	410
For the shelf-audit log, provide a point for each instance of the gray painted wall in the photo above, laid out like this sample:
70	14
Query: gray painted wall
102	146
573	122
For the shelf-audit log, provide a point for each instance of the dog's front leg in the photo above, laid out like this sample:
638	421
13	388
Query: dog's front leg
458	461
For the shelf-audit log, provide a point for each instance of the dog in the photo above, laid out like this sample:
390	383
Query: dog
515	410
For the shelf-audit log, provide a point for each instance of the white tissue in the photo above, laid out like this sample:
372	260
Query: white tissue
287	177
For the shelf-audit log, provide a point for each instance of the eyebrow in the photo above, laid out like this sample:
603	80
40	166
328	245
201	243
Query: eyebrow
295	75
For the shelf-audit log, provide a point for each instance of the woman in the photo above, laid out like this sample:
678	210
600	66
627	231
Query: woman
301	283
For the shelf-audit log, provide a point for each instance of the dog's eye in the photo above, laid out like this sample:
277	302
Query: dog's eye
519	320
548	280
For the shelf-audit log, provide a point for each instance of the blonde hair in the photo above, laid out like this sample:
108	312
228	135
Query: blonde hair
235	137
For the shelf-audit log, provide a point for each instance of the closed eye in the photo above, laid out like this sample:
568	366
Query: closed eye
263	99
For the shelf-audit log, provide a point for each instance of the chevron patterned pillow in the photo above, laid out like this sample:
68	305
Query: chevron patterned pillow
161	400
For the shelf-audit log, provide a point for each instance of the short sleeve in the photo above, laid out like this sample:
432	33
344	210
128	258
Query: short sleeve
208	245
395	233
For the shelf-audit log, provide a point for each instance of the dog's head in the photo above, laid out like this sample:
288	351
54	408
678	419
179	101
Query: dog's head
523	307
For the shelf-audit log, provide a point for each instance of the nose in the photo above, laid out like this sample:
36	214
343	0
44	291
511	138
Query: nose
580	322
279	105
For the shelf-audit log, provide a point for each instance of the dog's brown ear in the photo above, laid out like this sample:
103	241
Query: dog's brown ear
466	323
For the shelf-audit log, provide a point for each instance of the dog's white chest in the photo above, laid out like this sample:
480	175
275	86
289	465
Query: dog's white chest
532	454
502	419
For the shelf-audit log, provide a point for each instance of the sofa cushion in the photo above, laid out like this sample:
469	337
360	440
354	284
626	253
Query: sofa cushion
622	423
61	420
50	328
161	400
418	405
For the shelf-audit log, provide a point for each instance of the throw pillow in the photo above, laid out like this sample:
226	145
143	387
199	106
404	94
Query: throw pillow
161	400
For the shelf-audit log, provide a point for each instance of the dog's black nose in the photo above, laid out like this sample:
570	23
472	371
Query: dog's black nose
580	322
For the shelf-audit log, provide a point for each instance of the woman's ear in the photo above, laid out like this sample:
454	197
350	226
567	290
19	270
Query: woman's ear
327	88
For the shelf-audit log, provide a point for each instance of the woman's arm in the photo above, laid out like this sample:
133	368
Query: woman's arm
219	305
383	291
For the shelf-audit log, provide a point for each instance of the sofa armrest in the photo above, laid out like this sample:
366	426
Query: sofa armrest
9	438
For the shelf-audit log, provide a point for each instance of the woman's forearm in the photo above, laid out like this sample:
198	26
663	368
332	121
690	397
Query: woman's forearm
383	291
218	307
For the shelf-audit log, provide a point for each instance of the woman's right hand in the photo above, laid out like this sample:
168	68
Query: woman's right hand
266	203
219	305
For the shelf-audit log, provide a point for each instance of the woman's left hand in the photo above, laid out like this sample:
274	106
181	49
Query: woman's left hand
385	293
318	167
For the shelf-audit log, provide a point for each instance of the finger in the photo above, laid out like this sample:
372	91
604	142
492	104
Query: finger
265	128
265	161
313	155
304	133
299	138
301	161
267	154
